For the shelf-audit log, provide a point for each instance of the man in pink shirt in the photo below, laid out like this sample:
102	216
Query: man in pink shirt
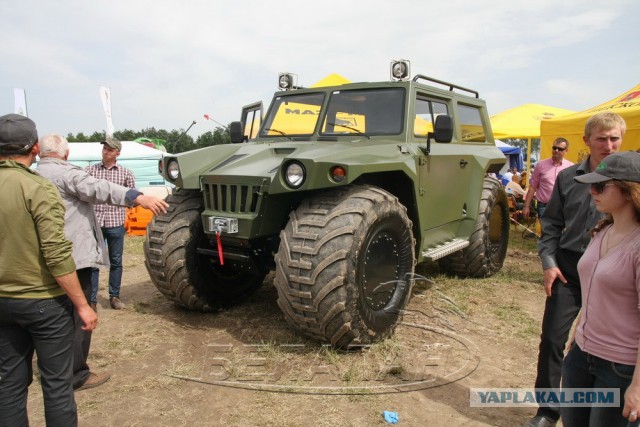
544	177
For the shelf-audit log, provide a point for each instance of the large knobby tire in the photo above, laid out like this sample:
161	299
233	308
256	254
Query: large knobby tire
344	268
488	243
192	280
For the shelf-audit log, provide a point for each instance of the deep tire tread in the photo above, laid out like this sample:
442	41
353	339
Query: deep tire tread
315	263
179	273
166	236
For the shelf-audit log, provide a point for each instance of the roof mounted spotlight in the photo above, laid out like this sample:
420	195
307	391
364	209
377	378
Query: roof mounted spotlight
400	70
287	81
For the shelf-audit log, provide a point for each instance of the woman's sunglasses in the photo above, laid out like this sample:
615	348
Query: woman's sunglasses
599	187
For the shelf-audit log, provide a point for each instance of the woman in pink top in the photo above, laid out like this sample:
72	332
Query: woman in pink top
605	351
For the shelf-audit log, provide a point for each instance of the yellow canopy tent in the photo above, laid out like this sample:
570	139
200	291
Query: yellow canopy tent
331	80
572	127
523	122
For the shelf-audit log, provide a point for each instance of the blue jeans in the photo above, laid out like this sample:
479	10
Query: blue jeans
46	326
541	207
583	370
114	238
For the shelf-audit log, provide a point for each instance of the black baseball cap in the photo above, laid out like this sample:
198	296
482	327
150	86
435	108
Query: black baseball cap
623	166
17	134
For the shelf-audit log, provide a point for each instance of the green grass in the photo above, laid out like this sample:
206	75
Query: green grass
134	245
518	242
464	297
516	320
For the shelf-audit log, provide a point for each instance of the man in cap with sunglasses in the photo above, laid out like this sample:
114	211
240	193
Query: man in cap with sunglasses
544	177
566	222
38	284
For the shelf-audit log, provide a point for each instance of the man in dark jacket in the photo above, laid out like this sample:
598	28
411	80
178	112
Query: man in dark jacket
38	284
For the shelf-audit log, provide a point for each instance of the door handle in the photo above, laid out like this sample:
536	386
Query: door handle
463	163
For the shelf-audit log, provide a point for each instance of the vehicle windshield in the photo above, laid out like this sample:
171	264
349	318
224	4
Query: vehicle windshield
293	115
367	113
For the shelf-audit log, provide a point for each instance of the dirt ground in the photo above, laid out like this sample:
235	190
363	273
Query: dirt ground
247	367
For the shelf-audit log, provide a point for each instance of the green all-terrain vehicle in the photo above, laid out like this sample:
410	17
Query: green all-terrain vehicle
341	190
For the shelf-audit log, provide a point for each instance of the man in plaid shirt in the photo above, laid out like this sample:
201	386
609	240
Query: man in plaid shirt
111	219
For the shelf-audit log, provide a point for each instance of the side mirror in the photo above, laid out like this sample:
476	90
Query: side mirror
236	133
443	131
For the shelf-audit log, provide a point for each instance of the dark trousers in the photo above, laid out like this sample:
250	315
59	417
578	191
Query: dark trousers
560	310
114	238
81	339
46	326
583	370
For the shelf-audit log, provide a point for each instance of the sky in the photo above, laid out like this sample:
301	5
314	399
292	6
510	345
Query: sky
168	63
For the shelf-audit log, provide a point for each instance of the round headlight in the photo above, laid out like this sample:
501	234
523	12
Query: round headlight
294	175
400	69
173	170
285	81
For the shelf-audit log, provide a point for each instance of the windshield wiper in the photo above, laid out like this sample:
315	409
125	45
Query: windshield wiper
357	131
279	131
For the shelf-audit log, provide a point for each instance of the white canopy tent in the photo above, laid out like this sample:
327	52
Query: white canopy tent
140	159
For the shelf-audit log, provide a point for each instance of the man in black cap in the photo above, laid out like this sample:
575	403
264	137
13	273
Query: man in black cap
38	284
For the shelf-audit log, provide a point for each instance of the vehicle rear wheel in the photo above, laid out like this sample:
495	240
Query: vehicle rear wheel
191	279
344	269
488	243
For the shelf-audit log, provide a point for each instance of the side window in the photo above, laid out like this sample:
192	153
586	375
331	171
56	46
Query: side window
426	112
252	119
471	124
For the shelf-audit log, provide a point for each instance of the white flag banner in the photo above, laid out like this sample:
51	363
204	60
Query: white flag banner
105	95
20	99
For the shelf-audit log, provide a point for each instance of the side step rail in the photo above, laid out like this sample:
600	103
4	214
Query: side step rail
445	249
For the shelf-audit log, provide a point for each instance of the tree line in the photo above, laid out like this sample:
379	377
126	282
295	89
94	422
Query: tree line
175	141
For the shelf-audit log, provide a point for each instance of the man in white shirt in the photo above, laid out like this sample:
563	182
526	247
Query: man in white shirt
514	187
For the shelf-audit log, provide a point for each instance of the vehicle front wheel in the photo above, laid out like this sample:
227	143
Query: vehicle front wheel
192	278
344	268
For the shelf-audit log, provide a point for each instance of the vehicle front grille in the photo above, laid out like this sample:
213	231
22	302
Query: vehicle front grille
232	198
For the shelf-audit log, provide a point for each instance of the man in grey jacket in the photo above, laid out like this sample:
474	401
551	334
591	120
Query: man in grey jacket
80	191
